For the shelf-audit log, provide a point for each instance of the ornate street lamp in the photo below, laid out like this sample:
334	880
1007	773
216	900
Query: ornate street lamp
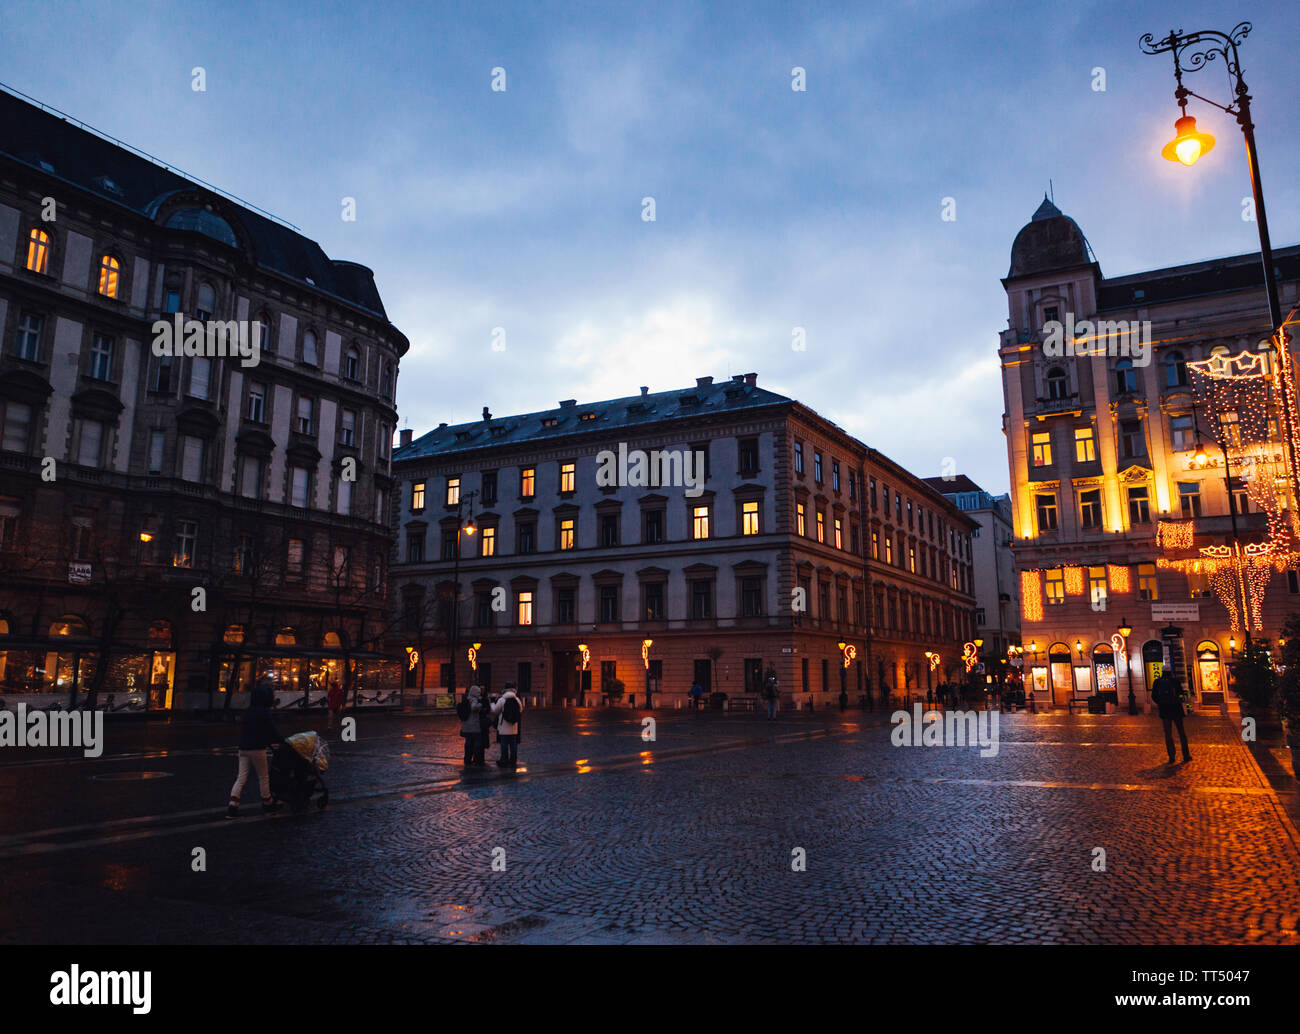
1124	631
468	528
645	660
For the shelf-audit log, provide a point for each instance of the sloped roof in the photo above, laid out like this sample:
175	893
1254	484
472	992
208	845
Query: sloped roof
44	141
959	483
595	417
1050	241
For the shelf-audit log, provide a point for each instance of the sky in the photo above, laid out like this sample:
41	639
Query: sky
774	209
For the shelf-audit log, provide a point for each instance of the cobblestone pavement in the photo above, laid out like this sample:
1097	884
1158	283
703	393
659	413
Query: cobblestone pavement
607	838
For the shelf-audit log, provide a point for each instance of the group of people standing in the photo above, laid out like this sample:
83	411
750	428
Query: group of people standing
479	713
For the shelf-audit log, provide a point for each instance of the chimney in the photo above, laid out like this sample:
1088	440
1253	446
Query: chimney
487	416
405	437
568	403
703	382
737	378
644	391
442	425
751	379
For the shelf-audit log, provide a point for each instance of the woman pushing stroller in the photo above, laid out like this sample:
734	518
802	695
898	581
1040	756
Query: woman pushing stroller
257	734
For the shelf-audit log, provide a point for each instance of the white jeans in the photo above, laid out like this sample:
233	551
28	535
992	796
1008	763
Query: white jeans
258	759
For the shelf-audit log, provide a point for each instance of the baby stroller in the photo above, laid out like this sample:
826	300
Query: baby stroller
296	765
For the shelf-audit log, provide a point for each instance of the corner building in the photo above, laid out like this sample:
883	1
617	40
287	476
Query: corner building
800	539
1102	450
173	474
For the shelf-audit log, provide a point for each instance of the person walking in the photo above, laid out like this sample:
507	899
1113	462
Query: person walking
1168	698
697	695
771	691
334	700
470	713
257	733
509	712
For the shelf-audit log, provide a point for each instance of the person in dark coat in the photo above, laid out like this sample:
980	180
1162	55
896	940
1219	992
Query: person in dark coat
256	733
1169	702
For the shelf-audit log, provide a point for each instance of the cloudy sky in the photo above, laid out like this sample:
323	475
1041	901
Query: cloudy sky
774	209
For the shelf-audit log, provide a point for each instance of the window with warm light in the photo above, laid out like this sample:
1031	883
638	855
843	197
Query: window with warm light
38	251
821	526
527	482
839	533
700	522
1098	588
1085	445
568	477
1054	583
417	497
749	518
1148	590
799	519
488	542
568	528
108	276
524	608
453	491
1139	505
1042	443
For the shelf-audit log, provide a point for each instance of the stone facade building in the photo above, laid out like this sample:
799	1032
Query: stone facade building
1109	449
172	525
799	548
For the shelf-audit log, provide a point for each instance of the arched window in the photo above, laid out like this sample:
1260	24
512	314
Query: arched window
1056	383
1060	672
69	625
1103	666
1175	370
233	634
38	250
264	341
331	641
1207	666
1125	377
352	364
309	348
207	302
109	278
285	637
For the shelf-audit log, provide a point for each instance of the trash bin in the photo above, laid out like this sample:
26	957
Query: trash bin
1096	704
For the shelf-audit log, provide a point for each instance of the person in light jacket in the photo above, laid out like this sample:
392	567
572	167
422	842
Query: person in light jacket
507	706
471	728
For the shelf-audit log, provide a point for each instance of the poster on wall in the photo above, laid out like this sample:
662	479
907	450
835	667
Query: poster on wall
1106	676
1039	680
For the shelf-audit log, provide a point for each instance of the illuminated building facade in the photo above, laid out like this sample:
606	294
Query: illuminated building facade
1109	453
801	547
172	525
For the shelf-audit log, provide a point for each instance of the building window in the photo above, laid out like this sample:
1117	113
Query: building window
1090	508
911	559
38	251
701	599
157	441
450	544
839	537
609	529
835	475
183	547
566	606
1056	384
1055	584
700	522
527	482
853	485
1198	585
309	355
525	537
1125	377
256	402
568	532
609	603
568	477
751	597
303	423
483	610
352	364
654	601
293	561
1042	442
101	357
1132	443
108	276
453	491
207	302
817	467
263	333
414	546
91	447
417	497
1085	445
1046	502
487	543
1189	498
799	519
872	486
1182	433
524	607
875	545
191	459
489	488
1175	370
298	481
1148	590
798	457
653	526
749	518
1139	505
1097	589
821	526
748	457
200	377
889	549
27	345
348	427
251	478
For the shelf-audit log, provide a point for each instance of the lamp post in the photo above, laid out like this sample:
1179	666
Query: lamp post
469	529
1192	51
645	660
1124	631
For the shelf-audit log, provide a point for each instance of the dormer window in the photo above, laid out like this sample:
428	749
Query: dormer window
587	416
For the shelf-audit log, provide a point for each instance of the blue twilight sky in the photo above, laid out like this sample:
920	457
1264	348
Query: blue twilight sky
775	209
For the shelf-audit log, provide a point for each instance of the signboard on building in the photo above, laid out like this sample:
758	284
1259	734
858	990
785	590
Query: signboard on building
78	573
1175	612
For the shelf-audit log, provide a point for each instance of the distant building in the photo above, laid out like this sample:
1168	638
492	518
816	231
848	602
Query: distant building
997	592
172	525
1107	452
801	547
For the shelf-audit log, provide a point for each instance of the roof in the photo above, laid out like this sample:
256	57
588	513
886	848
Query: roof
951	486
572	417
1050	241
1193	279
58	147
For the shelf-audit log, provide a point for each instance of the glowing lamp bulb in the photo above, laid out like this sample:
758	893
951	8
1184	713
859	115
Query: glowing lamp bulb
1188	145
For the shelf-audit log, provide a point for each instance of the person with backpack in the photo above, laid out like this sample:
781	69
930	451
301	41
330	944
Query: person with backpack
508	711
1169	701
257	733
771	691
470	712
